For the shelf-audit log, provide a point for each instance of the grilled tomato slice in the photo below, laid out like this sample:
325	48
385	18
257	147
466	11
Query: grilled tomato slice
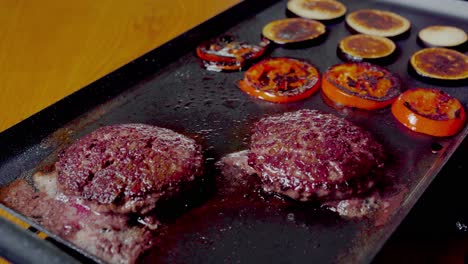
429	111
377	22
440	64
317	9
281	80
225	53
361	47
361	85
293	30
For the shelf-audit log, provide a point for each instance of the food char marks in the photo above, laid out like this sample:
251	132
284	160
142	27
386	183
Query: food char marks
440	63
362	47
128	168
281	80
378	22
321	5
317	9
361	85
293	30
309	155
371	19
225	53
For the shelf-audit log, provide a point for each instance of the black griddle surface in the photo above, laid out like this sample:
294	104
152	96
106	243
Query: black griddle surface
169	88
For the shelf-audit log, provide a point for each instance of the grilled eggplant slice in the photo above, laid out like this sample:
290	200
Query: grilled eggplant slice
363	47
440	64
293	30
442	36
378	23
317	9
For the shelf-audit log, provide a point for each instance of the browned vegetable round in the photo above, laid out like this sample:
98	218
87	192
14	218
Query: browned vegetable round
378	22
429	111
440	63
281	80
362	47
317	9
225	53
360	84
293	30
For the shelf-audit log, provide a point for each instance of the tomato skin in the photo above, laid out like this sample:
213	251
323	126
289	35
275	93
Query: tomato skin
341	98
202	54
361	85
281	80
422	124
270	97
225	53
221	66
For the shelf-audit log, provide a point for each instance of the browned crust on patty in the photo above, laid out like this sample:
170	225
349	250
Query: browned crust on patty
128	167
309	154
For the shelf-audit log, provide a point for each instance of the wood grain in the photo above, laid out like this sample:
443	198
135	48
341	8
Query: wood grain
51	48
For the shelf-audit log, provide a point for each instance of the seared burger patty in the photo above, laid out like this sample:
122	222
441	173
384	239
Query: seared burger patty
129	167
310	155
107	236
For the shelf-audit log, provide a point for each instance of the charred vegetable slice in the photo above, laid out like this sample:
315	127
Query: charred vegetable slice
440	63
361	85
365	47
293	30
442	36
317	9
217	66
429	111
281	80
225	53
378	22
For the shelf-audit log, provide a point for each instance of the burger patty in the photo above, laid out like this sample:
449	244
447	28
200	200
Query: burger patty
110	237
127	168
310	155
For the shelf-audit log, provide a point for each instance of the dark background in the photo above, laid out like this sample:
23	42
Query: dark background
436	229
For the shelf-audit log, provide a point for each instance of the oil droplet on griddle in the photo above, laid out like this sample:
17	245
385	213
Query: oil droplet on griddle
208	102
291	217
462	226
436	147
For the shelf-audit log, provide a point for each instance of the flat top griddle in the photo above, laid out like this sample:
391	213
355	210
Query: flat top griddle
167	87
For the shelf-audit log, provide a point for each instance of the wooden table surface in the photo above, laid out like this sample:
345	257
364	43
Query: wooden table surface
51	48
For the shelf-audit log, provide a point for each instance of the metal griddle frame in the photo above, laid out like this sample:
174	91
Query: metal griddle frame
26	145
